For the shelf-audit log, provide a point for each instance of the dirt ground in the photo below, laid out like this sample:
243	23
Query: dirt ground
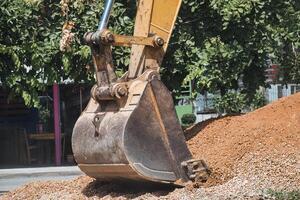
247	154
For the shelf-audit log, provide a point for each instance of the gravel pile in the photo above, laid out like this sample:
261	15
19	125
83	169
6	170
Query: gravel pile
248	154
252	153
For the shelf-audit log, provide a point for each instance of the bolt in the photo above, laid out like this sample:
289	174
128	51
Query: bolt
159	41
122	91
110	37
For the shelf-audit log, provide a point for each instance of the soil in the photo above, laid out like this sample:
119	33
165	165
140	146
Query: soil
247	154
271	130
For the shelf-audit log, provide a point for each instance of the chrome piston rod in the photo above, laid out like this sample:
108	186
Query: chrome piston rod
106	14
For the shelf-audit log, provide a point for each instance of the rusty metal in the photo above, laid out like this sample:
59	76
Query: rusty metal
107	38
197	170
129	130
143	134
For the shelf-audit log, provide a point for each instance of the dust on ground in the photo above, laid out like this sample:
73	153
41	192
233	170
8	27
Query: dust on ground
248	154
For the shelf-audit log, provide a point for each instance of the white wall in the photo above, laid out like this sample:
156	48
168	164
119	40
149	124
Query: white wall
277	91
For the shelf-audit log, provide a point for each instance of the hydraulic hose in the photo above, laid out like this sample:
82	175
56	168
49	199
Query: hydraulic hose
106	14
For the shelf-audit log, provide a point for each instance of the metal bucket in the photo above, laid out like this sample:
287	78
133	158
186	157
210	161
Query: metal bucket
140	139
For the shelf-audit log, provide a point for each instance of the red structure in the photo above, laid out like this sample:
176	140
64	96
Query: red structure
272	73
57	130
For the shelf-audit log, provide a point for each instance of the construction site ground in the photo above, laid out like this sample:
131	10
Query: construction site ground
249	155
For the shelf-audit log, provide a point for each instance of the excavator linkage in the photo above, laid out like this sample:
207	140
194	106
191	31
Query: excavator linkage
129	129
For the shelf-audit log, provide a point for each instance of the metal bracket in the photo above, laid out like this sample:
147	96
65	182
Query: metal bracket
97	121
105	37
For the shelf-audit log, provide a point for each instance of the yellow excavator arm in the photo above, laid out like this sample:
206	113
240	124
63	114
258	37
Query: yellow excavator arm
154	17
129	130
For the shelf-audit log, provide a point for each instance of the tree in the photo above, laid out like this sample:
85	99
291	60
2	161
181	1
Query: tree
30	32
234	39
216	43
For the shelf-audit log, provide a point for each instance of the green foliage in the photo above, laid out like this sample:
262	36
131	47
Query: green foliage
283	195
230	103
30	31
215	44
259	100
44	114
232	40
188	119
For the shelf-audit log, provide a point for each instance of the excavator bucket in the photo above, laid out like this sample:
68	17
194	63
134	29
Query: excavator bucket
129	129
141	141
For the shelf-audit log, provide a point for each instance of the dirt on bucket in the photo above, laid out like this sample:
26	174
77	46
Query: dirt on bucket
247	155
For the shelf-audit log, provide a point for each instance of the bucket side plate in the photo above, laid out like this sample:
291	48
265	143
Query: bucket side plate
154	142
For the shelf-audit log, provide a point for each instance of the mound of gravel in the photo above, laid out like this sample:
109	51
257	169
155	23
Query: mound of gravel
253	152
248	154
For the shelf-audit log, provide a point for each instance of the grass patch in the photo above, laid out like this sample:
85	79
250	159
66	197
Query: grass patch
283	195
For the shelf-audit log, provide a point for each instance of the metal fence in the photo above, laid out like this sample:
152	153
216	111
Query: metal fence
204	107
276	91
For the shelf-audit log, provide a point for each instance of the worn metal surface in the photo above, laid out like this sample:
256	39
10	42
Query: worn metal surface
197	170
153	17
144	135
130	130
127	41
141	29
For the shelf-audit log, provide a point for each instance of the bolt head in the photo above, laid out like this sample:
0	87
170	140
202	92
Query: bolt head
110	37
159	41
122	91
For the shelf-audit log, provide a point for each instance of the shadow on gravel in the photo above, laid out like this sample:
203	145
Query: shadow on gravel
125	189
